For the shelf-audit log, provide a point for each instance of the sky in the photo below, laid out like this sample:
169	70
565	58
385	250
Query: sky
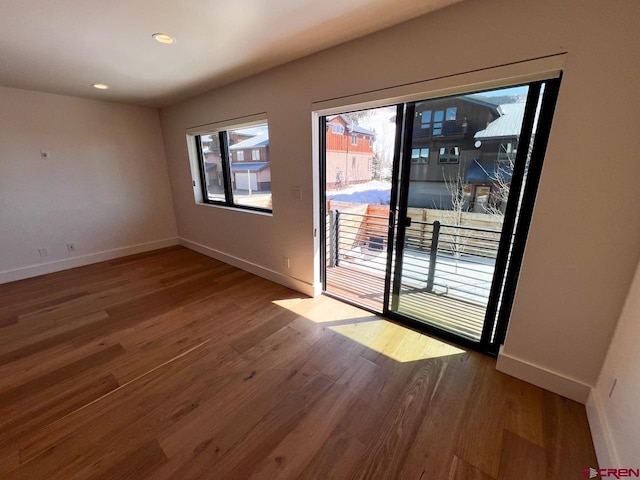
506	91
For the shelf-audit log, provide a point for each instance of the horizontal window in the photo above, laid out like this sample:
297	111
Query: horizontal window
449	155
228	176
420	155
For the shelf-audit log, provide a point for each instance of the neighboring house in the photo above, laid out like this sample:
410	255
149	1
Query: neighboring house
443	146
467	142
250	166
249	156
349	152
490	173
213	163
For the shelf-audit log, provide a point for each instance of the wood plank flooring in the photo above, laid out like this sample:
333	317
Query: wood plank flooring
171	365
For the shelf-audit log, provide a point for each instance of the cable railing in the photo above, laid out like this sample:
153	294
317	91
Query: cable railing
444	259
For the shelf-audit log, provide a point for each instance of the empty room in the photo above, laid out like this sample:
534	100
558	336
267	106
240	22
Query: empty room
378	239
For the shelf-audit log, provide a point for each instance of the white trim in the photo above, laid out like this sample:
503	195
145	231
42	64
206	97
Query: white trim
602	441
80	261
542	377
525	71
230	124
277	277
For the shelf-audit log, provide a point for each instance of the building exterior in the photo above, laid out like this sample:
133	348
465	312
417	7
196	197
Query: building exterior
349	152
463	142
250	164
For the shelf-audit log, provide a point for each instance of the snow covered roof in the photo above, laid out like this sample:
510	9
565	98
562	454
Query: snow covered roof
251	167
507	125
261	140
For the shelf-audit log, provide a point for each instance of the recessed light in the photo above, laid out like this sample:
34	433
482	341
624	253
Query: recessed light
163	38
100	86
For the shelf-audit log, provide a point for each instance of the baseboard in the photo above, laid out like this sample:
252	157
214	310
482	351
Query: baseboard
600	433
537	375
308	289
82	260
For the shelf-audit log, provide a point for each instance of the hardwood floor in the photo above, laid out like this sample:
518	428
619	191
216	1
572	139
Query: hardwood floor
171	365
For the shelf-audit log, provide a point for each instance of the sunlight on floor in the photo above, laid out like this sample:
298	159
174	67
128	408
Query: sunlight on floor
392	340
315	309
395	341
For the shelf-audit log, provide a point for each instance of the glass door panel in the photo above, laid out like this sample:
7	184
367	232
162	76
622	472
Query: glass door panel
458	206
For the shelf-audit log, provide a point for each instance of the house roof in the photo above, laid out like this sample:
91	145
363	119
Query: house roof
507	125
251	167
261	140
352	127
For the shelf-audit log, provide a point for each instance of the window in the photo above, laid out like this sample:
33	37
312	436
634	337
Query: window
236	183
438	118
354	139
451	114
449	155
420	155
425	119
370	142
337	129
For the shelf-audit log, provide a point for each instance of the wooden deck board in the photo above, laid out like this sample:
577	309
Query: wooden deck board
367	288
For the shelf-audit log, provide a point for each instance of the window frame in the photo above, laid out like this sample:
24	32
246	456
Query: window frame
226	171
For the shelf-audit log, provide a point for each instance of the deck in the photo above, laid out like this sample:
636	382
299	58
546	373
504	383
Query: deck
367	288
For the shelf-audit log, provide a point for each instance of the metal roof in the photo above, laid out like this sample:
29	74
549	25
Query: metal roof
261	140
507	125
246	166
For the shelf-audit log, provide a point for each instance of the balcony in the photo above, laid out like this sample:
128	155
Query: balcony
447	270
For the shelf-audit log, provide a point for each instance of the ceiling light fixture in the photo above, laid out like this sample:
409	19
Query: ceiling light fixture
100	86
163	38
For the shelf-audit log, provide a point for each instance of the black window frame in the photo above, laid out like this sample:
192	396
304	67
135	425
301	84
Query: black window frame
226	173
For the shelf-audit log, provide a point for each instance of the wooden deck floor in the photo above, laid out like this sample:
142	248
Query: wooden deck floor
367	288
171	365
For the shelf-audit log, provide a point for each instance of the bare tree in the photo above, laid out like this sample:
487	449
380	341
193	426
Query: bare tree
458	239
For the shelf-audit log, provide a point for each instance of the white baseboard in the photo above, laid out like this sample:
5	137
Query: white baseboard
308	289
553	381
81	260
600	433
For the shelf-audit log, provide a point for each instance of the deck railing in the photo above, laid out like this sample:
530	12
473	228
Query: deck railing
441	258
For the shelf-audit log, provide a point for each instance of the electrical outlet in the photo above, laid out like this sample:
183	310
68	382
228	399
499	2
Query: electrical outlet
71	247
43	252
286	263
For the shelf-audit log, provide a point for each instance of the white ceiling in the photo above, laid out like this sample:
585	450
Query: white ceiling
64	46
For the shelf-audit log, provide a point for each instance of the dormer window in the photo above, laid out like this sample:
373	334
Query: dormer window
337	128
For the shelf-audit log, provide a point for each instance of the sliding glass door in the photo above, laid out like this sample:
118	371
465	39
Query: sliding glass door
442	250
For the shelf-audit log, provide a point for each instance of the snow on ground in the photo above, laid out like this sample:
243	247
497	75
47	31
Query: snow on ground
373	193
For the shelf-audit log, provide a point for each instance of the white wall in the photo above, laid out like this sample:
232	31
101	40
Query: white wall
615	420
585	236
106	187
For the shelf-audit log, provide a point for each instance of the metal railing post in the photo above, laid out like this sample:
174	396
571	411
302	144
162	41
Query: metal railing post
336	229
433	255
332	236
